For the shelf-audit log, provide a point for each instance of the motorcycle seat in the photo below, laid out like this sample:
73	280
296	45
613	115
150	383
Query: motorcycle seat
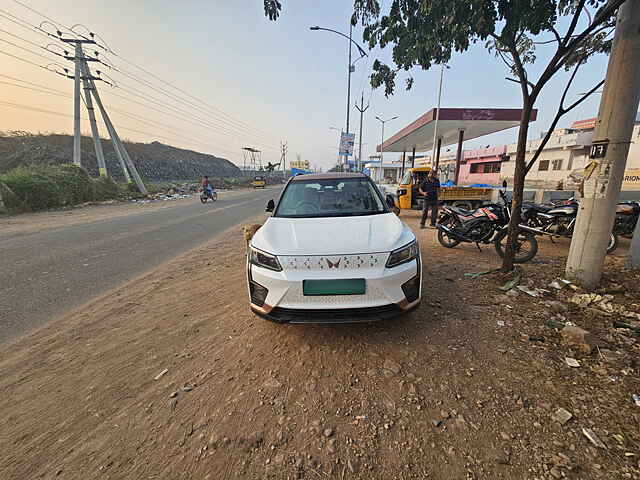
537	207
462	211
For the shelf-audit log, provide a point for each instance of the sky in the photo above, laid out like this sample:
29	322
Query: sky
244	80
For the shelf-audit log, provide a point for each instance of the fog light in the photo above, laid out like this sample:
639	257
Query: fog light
258	293
411	289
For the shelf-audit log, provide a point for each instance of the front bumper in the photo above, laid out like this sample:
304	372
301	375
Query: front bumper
384	298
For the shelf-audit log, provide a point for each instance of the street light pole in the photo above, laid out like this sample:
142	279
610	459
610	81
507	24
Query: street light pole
435	130
350	66
382	142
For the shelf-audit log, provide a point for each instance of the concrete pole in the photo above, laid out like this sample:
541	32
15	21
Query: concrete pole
97	144
459	155
612	135
633	255
110	129
77	136
361	109
435	129
381	150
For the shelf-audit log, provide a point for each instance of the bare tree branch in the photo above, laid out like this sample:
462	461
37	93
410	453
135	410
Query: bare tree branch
557	35
559	114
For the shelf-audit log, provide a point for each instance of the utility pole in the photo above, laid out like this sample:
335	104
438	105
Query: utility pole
612	135
361	109
112	131
97	143
283	158
77	135
435	129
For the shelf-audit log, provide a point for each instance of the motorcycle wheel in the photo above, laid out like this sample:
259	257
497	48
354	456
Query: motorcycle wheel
444	239
613	243
203	199
526	246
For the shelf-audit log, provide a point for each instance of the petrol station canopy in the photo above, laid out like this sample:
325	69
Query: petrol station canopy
473	122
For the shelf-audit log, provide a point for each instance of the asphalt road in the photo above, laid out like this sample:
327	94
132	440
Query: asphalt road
45	273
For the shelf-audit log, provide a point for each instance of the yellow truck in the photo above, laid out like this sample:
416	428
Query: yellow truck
409	198
259	182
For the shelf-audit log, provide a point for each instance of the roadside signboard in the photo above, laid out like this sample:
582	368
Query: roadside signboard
631	179
346	143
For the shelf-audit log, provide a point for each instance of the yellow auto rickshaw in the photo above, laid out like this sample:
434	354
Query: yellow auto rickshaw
259	182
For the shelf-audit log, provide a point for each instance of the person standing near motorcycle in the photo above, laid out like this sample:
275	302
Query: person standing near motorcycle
429	189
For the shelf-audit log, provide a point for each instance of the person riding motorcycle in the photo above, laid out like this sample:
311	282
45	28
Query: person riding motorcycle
207	187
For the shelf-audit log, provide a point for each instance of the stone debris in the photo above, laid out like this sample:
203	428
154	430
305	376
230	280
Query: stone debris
561	416
593	438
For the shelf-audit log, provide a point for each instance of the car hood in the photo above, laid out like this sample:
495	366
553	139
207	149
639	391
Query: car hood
333	235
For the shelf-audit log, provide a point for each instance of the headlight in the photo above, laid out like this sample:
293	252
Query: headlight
403	255
265	260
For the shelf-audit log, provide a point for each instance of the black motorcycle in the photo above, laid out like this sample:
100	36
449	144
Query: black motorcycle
626	218
487	224
556	220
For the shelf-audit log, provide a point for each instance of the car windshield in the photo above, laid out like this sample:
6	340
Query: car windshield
340	197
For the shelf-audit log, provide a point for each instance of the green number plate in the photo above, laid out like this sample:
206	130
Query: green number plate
350	286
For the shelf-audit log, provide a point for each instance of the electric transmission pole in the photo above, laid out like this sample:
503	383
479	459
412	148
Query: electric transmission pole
361	109
283	158
83	74
77	136
97	143
612	136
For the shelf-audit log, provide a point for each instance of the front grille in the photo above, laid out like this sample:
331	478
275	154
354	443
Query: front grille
338	315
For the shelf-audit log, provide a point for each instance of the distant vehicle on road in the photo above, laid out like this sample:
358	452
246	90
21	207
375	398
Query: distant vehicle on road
259	182
333	252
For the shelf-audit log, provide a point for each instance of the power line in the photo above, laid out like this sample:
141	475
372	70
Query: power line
25	49
41	14
22	59
44	89
22	23
32	84
66	115
35	89
230	118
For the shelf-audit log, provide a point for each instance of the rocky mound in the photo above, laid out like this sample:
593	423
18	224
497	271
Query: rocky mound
155	161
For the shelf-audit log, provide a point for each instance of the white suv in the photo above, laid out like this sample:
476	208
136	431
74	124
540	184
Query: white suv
333	252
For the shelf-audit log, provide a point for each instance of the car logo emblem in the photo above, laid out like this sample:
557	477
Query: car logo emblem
332	264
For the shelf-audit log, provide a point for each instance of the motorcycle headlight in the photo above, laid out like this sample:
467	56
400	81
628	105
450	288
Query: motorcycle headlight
265	260
403	255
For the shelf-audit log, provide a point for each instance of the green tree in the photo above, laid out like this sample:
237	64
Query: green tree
428	32
424	33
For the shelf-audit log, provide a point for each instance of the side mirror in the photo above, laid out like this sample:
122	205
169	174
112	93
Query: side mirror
504	184
270	206
391	203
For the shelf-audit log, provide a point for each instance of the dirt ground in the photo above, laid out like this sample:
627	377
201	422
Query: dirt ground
463	388
39	221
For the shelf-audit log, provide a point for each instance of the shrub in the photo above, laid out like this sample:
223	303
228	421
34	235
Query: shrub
105	188
52	186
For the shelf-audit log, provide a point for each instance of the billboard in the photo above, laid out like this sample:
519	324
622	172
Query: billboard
346	143
631	179
299	164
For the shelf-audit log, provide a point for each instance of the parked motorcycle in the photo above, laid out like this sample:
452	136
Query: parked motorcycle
626	218
556	220
487	224
208	195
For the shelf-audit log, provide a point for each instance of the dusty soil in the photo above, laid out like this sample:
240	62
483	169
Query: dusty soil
456	390
39	221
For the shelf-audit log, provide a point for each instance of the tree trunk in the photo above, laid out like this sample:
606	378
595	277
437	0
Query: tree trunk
518	186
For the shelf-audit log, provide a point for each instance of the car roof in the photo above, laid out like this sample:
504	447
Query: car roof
327	176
